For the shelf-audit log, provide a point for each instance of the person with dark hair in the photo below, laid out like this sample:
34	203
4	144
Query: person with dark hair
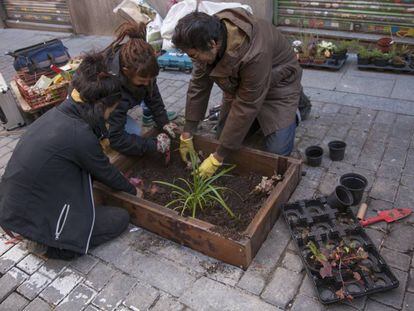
46	192
133	61
254	65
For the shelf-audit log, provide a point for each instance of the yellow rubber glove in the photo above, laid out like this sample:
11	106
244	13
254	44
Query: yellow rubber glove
186	147
209	166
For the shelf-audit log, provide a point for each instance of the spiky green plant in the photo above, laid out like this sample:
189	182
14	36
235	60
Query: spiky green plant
199	192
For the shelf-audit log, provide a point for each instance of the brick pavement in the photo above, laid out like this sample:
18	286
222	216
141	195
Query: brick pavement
140	270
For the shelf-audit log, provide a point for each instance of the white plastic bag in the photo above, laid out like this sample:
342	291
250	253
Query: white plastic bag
154	33
185	7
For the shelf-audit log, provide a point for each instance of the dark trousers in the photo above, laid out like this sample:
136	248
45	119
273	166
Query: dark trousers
110	222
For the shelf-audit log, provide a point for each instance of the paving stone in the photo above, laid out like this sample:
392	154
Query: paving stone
405	197
305	303
30	263
307	288
407	180
293	262
156	271
403	89
3	246
91	308
38	305
114	292
252	281
408	302
61	286
53	267
384	189
222	272
10	281
410	287
389	171
272	249
110	251
393	298
11	257
141	297
166	302
375	306
363	85
220	297
84	264
340	168
77	299
365	161
34	285
282	287
14	302
395	156
396	259
99	276
375	235
400	238
331	108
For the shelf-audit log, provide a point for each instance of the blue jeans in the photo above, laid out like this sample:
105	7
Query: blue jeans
132	127
282	141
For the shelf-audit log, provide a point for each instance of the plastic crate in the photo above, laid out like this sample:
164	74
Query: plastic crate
37	98
174	59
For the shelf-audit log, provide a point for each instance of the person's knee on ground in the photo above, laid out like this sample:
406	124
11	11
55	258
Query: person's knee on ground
282	141
110	222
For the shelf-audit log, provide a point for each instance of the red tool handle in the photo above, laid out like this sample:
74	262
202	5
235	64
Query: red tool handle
370	221
55	68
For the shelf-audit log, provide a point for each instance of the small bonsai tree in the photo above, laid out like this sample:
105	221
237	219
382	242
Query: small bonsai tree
199	192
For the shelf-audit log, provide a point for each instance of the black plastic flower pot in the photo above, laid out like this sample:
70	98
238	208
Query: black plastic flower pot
380	62
363	61
397	65
337	150
314	155
340	199
339	55
356	184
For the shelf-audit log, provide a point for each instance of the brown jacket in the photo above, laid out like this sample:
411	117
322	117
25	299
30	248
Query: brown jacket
259	75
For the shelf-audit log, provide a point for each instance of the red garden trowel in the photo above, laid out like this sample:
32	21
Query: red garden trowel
388	216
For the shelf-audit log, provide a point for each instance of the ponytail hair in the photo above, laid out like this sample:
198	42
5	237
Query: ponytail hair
97	88
137	57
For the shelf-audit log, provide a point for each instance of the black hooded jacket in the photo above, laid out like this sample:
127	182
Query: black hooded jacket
120	140
46	190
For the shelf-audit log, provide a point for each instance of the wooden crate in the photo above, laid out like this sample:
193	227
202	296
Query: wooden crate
197	234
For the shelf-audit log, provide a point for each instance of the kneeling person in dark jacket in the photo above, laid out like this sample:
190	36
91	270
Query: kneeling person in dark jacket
46	191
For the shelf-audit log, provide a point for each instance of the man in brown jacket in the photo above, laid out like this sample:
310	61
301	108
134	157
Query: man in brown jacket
254	65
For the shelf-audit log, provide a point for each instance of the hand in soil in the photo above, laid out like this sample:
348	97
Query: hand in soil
136	182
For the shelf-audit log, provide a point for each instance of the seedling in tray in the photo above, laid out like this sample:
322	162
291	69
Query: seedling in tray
345	258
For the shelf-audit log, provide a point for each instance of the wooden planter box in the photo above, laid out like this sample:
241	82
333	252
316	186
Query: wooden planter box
195	233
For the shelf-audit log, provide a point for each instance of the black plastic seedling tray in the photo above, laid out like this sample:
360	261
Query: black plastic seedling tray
330	64
316	221
407	69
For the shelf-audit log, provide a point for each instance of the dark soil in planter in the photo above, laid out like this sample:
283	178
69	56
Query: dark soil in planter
246	207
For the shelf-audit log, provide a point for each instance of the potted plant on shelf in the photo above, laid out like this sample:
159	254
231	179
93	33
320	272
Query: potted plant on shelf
379	58
326	48
398	61
385	44
364	56
305	48
340	51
